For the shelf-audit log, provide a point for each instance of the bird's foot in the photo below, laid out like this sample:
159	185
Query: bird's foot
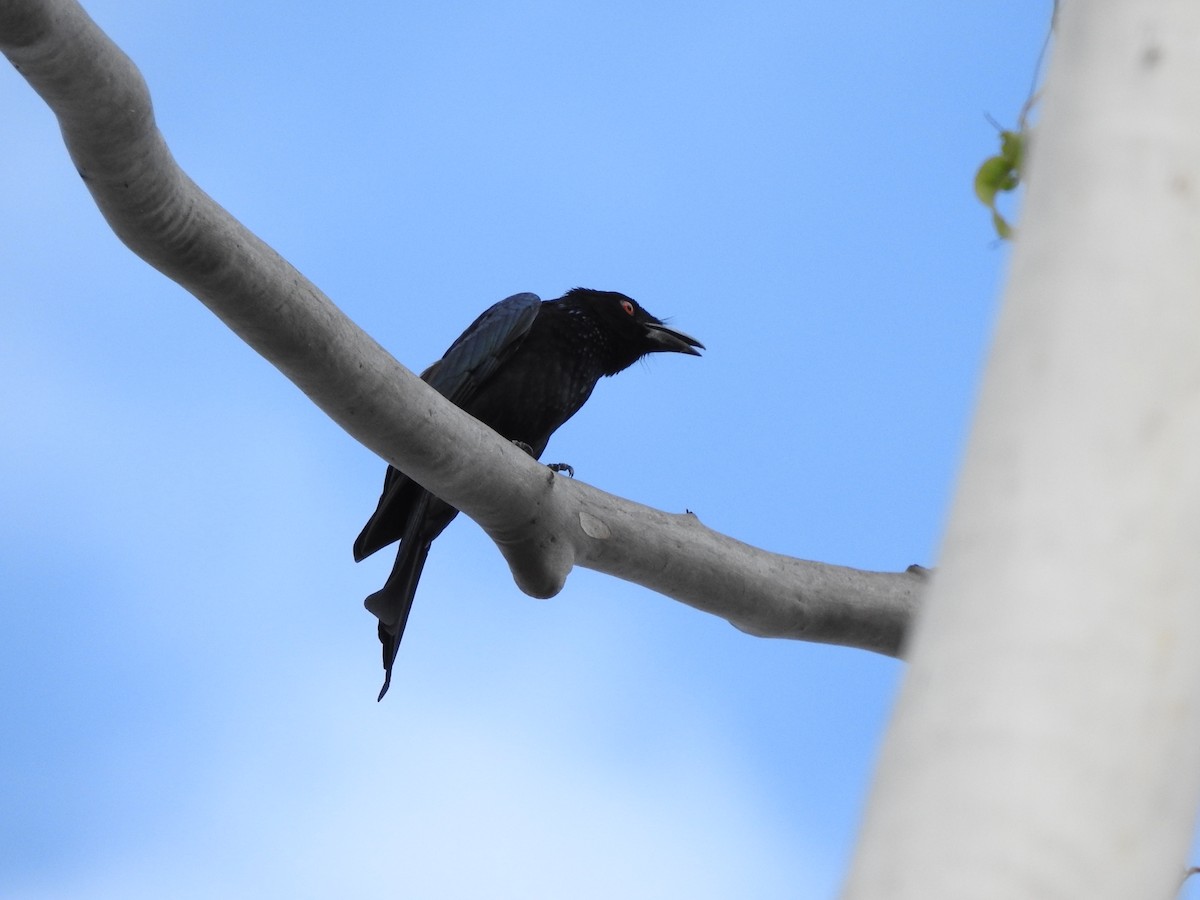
553	467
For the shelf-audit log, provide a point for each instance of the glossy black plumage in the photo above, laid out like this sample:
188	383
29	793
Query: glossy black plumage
523	368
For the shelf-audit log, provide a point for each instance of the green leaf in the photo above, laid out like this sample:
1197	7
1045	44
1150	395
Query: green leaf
1003	229
1012	148
1000	174
992	176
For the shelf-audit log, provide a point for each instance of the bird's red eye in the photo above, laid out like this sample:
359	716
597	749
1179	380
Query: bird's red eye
627	305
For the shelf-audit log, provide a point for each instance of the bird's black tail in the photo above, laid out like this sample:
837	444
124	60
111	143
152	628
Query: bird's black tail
392	603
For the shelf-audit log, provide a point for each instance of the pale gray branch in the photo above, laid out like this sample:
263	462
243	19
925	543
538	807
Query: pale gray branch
543	523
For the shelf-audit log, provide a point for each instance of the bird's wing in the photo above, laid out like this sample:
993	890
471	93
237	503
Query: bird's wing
480	350
469	362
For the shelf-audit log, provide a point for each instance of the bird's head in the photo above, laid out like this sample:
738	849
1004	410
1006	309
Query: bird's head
630	331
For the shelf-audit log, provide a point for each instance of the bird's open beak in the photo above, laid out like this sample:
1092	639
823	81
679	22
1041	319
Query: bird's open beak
670	340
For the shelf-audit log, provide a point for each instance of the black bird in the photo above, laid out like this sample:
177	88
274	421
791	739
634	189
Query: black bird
522	368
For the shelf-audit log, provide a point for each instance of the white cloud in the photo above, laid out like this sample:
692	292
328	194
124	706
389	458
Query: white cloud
439	804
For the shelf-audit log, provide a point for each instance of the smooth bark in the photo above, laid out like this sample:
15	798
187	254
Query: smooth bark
1047	739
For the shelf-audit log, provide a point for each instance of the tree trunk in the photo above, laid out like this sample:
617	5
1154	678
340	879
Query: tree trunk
1047	739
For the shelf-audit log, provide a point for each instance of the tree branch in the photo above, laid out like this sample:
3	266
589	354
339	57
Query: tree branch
542	523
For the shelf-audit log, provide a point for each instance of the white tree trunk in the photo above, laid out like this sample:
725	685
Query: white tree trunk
1047	740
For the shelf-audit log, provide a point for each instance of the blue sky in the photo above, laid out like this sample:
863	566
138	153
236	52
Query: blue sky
189	676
